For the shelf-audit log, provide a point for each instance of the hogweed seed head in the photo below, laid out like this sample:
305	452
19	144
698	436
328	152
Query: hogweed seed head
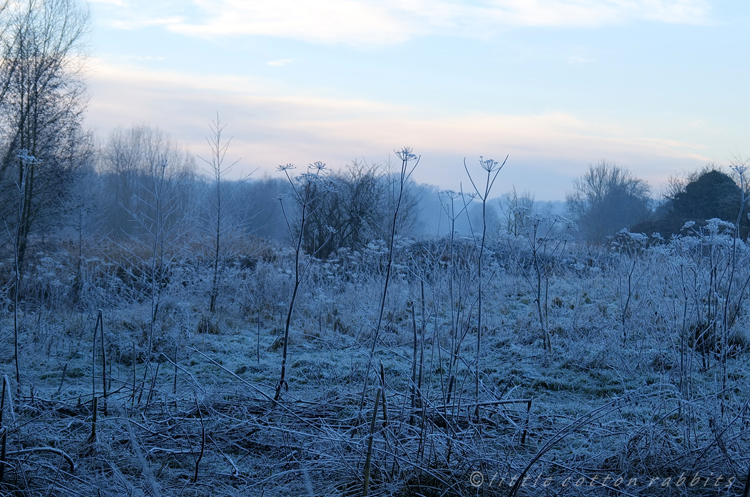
451	194
488	165
739	168
406	154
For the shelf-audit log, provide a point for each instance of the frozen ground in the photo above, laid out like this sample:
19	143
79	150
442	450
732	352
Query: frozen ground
637	396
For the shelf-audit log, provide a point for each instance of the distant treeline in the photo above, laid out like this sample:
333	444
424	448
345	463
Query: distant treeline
140	181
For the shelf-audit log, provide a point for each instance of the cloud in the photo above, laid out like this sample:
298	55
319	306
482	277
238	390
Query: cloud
331	21
270	129
142	22
589	13
369	22
384	22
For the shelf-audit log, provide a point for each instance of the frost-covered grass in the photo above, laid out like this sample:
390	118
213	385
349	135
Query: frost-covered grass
627	392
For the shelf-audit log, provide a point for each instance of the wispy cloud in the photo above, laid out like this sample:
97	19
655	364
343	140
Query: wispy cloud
382	22
367	22
331	21
271	128
143	22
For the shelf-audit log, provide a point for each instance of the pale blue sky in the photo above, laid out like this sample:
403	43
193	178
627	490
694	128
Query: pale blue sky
658	86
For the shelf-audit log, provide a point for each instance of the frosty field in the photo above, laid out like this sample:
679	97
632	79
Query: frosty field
635	397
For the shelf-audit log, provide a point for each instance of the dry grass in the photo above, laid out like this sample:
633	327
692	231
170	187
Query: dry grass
200	418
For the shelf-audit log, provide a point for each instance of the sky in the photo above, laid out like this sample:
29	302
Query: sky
659	87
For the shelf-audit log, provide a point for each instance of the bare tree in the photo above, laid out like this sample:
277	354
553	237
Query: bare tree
357	209
43	100
606	199
547	237
516	209
7	65
149	220
17	274
218	223
127	167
